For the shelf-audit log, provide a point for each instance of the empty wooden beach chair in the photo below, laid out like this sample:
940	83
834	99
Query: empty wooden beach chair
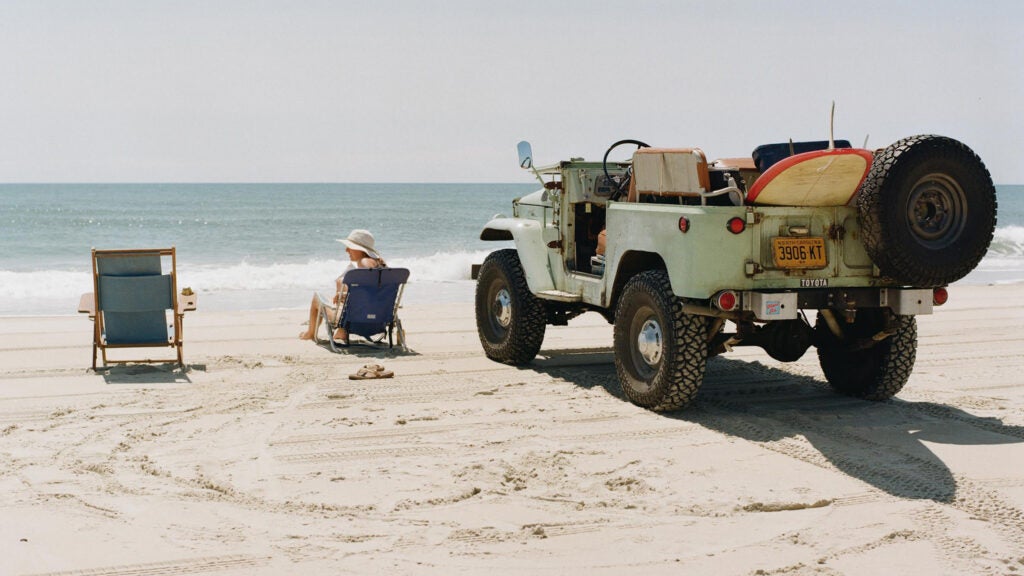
135	304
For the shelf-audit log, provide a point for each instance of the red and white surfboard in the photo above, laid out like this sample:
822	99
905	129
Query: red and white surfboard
818	178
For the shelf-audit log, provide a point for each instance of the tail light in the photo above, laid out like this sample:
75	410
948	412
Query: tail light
736	225
726	300
939	296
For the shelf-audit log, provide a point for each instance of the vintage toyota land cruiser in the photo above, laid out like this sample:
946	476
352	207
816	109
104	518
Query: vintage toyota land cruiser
703	256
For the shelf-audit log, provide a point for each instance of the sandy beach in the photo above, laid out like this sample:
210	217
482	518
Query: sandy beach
264	458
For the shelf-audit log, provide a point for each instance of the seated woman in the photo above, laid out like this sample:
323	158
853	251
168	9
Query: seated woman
361	254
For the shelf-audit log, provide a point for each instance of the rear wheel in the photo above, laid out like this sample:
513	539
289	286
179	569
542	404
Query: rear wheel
510	320
660	351
858	365
927	211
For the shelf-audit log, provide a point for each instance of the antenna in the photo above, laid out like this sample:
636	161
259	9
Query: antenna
831	128
866	136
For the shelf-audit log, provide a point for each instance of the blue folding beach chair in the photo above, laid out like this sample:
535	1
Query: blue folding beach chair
135	304
370	308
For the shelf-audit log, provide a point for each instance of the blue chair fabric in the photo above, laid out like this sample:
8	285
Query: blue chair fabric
371	306
134	308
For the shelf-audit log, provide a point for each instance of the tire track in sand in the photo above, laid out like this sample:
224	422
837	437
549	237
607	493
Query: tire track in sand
171	568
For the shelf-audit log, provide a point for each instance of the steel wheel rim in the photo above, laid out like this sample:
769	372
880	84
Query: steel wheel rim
649	342
937	211
648	339
501	309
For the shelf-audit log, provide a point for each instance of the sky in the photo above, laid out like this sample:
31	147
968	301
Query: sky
441	91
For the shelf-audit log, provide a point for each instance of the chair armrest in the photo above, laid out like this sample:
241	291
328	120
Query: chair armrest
87	304
187	303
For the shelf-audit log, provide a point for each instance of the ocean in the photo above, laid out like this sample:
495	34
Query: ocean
270	246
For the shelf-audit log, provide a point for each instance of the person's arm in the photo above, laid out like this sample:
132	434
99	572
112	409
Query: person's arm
340	294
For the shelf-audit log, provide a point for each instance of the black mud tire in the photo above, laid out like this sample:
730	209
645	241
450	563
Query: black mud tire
510	320
878	372
660	351
927	211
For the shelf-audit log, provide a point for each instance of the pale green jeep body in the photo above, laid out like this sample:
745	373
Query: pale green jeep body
676	269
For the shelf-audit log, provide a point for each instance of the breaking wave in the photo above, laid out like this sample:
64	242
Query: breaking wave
57	291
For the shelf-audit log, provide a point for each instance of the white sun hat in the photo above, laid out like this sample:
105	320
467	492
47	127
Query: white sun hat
360	240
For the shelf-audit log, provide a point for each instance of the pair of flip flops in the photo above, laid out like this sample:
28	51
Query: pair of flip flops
371	371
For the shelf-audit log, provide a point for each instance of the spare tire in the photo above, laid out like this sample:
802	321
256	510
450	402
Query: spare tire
927	211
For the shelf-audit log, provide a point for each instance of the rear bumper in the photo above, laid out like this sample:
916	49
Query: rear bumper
785	305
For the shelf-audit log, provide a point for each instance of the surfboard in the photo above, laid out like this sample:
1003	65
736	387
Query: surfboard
818	178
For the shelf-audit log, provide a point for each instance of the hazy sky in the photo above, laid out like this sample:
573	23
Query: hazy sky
409	91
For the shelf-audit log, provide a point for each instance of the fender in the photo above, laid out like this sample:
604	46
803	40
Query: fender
533	253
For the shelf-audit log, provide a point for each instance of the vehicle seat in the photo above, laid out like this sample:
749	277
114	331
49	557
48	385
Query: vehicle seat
668	172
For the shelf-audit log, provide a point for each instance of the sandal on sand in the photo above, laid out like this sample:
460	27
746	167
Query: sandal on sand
371	371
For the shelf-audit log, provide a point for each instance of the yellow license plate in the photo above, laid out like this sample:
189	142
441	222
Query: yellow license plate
791	252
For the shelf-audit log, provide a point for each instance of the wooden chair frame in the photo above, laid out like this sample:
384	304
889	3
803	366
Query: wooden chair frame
89	303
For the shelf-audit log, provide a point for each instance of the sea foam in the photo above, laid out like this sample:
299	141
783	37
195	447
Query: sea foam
1007	241
260	285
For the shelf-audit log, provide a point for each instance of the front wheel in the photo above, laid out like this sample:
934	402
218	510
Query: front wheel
874	358
510	320
660	350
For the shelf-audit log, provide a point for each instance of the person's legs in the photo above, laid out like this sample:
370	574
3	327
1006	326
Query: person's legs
314	319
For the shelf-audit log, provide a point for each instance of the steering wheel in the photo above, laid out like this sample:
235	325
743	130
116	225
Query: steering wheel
623	186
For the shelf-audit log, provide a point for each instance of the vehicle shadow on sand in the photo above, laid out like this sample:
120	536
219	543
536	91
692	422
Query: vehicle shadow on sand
799	416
